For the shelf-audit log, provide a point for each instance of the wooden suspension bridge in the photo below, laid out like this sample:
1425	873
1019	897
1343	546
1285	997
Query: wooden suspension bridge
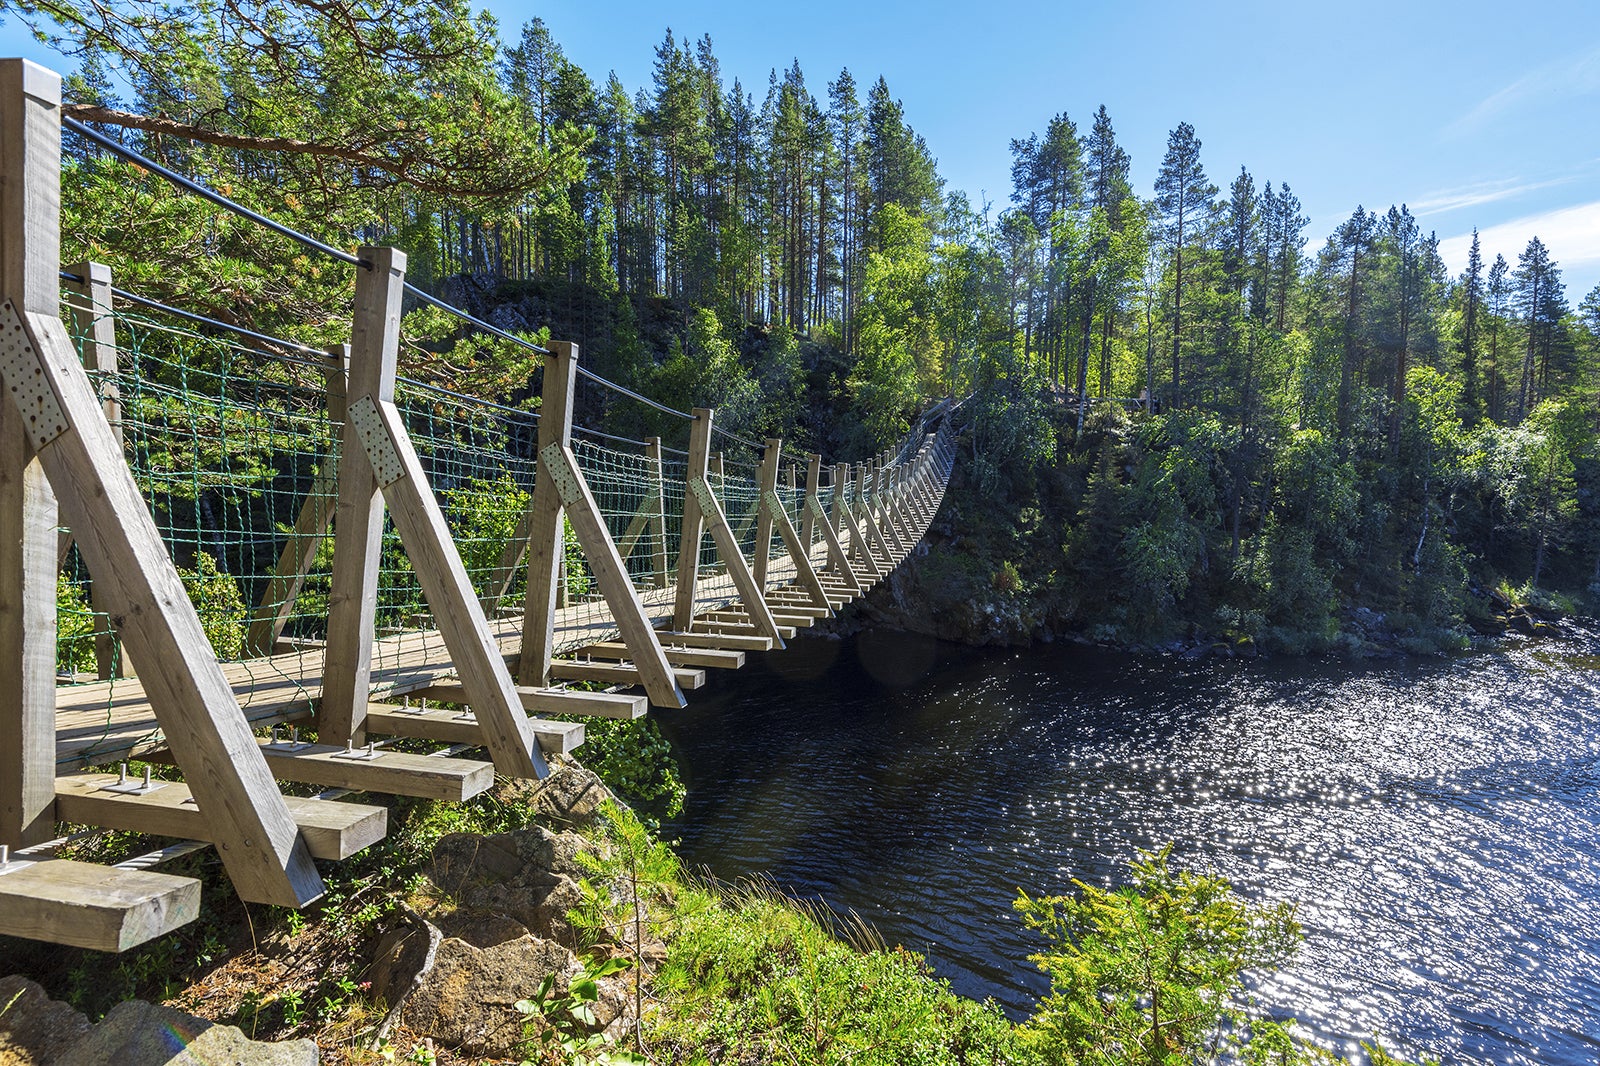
465	667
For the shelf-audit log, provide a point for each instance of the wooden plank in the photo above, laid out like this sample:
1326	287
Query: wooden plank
661	576
708	657
451	726
394	773
731	641
310	527
624	705
332	830
84	905
795	609
619	674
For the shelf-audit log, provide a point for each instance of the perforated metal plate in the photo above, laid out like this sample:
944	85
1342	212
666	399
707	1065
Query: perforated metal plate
25	382
703	495
386	465
774	504
562	475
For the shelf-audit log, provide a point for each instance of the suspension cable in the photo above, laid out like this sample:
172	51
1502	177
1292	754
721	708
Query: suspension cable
202	191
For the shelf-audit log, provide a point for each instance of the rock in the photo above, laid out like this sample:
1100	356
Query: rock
467	1000
402	956
33	1027
136	1033
530	875
1523	624
571	797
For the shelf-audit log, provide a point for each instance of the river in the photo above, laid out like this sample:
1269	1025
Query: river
1435	820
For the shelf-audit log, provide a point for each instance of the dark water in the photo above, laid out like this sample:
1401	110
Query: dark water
1436	821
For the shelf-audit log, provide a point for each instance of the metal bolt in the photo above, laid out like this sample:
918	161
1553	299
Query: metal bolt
147	778
122	774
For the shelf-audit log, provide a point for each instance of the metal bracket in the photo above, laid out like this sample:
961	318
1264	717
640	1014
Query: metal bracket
774	504
23	375
562	474
368	423
127	787
703	495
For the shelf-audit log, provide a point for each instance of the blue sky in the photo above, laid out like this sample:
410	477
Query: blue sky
1475	114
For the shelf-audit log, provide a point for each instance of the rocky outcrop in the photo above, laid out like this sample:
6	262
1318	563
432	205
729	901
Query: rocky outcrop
530	875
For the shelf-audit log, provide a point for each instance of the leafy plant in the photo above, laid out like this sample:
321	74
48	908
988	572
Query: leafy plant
561	1026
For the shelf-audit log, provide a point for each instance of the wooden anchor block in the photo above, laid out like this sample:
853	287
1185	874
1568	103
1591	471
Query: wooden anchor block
451	726
551	701
332	830
706	657
397	773
618	673
85	905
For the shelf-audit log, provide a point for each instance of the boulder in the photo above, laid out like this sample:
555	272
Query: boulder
35	1029
530	875
467	999
136	1033
570	797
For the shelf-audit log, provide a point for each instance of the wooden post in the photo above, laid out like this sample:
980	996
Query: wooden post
96	327
561	489
30	229
62	419
310	526
659	555
766	481
376	429
813	489
358	511
702	510
693	522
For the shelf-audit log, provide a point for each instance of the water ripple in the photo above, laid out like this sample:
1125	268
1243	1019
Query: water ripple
1436	822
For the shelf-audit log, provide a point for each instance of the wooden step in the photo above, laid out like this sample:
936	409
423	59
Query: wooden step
332	830
618	674
732	641
552	701
102	908
707	657
449	725
396	773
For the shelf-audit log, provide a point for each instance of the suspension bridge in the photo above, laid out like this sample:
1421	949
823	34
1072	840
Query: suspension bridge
267	564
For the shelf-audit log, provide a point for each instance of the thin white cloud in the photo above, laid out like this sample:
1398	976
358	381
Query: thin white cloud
1441	201
1571	233
1573	76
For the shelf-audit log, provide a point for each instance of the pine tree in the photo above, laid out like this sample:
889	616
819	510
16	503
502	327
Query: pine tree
1184	200
1472	302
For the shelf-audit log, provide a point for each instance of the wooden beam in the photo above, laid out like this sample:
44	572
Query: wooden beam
707	657
332	830
730	641
661	577
551	701
395	773
101	908
806	575
95	324
693	525
736	625
455	727
741	616
29	224
619	674
546	537
310	527
767	484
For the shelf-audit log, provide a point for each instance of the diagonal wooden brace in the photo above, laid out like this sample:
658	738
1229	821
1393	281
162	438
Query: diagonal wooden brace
774	512
750	593
655	673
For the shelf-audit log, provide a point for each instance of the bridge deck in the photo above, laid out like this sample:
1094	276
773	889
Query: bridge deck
103	722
